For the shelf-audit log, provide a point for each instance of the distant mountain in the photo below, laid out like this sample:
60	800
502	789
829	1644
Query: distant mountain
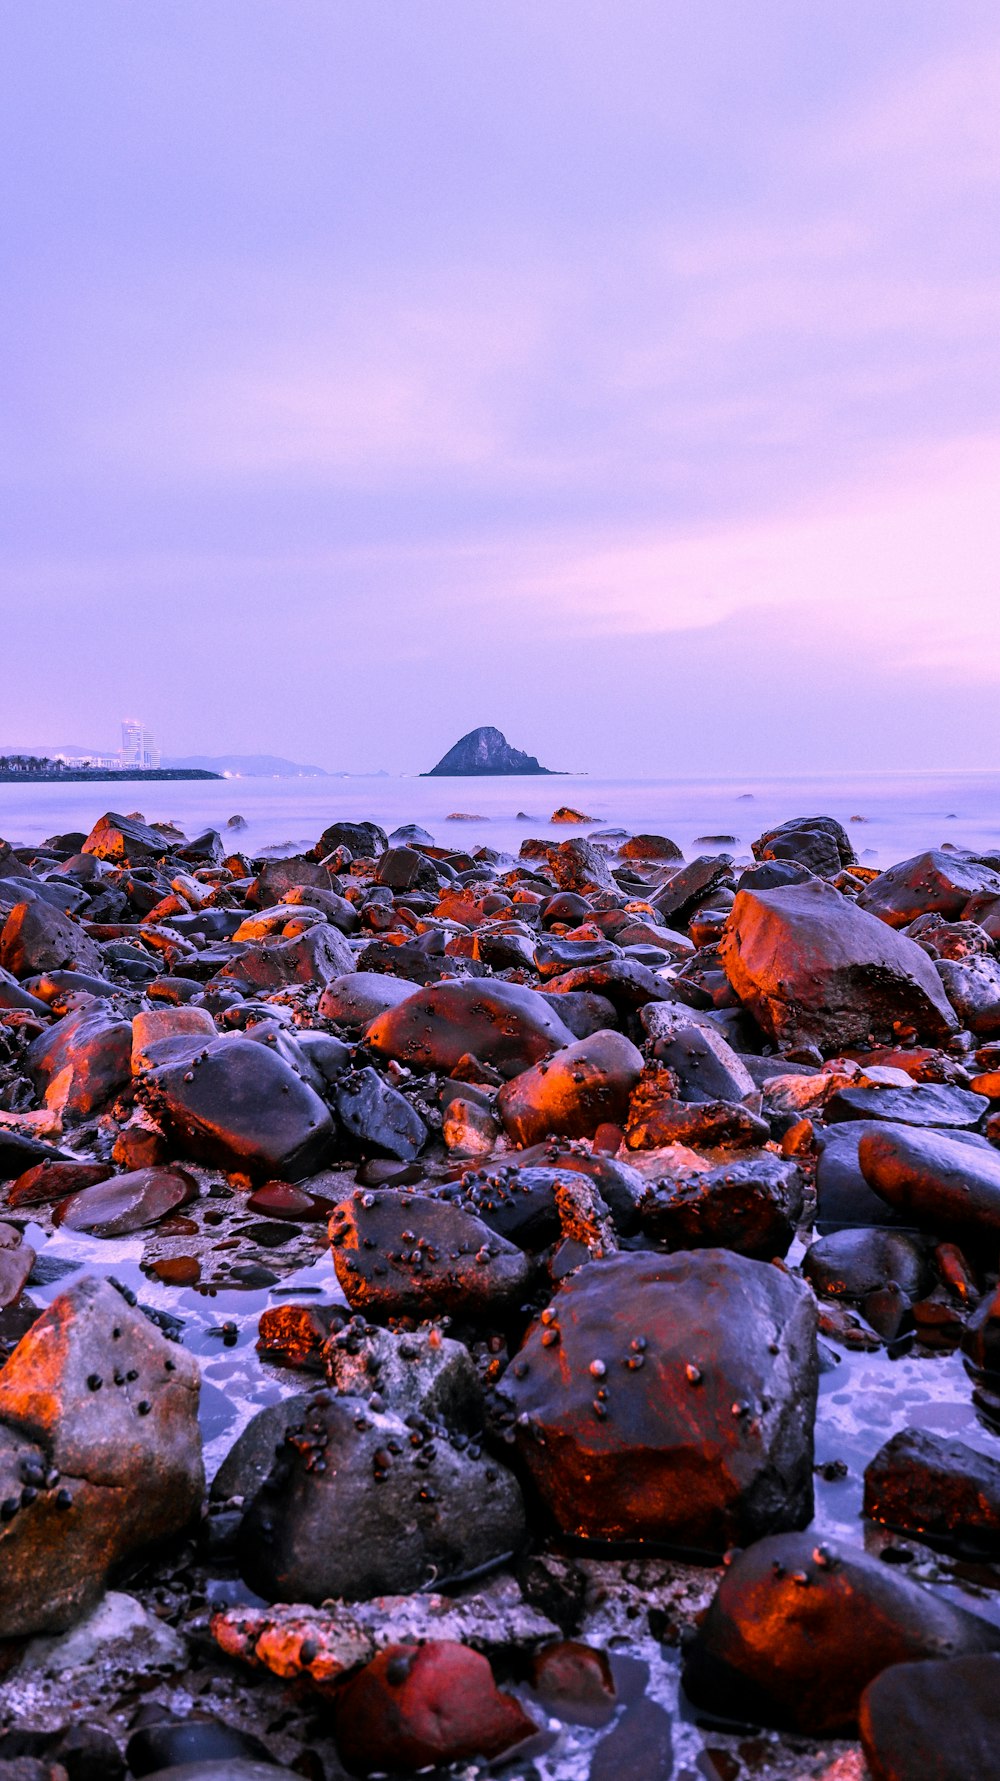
250	766
484	752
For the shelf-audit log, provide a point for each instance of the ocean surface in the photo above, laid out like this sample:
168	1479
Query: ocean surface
889	816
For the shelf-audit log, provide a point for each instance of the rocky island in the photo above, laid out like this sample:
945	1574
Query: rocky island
423	1275
485	753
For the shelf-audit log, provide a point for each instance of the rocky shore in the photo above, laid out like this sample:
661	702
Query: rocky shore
561	1198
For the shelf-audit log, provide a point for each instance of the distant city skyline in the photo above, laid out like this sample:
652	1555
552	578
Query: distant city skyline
626	377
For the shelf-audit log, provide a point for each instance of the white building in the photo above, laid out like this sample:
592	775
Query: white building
138	745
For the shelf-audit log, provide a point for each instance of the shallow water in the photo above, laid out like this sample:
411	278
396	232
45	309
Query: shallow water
902	813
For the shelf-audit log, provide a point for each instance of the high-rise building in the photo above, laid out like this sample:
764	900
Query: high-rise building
138	745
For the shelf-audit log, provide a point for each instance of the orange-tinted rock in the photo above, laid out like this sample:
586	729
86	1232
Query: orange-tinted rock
38	938
649	847
178	1270
750	1205
656	1117
929	882
574	1092
501	1023
406	1254
815	970
938	1180
126	1202
50	1181
282	1199
670	1398
575	1682
90	1052
936	1488
124	839
415	1706
796	1632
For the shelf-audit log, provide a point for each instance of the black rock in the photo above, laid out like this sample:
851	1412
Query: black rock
936	1721
378	1119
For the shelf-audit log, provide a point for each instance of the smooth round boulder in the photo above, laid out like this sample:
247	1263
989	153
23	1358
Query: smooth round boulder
934	1179
570	1094
670	1398
936	1721
499	1023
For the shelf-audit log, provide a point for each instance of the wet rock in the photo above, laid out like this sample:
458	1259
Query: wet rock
277	878
819	843
649	847
127	1202
415	1706
670	1398
123	840
625	983
420	1371
168	1743
17	1258
363	840
704	1065
850	1264
575	1682
151	1027
99	1453
815	969
656	1117
378	1119
552	957
240	1105
20	1151
12	995
532	1207
934	1179
936	1721
927	1104
468	1128
84	1060
973	989
37	938
407	1254
50	1181
577	865
421	1506
639	1746
937	882
500	1023
685	889
843	1196
797	1631
573	1092
750	1205
313	957
582	1011
939	1489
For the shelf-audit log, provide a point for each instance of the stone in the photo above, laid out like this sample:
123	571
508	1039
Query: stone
52	1180
118	1627
932	882
938	1489
649	847
582	1011
420	1506
169	1744
797	1631
37	938
981	1340
377	1118
685	889
415	1706
312	957
624	982
17	1259
814	969
499	1023
240	1105
484	752
750	1204
934	1721
925	1104
575	1682
150	1027
705	1066
126	1203
124	840
850	1264
577	865
98	1425
570	1094
405	1254
972	986
656	1117
12	995
819	843
934	1179
278	878
552	957
364	840
670	1398
83	1061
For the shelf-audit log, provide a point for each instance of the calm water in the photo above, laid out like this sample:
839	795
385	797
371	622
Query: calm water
902	813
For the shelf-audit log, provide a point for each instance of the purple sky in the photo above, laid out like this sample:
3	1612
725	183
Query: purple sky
623	374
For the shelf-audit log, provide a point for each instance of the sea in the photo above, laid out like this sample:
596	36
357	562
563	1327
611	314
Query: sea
890	816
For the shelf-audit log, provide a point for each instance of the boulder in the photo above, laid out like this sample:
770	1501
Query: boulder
925	1104
85	1060
751	1205
816	970
938	1489
819	843
576	865
499	1023
670	1398
932	882
124	840
404	1254
365	840
692	885
312	957
656	1117
359	997
972	986
240	1105
37	938
377	1118
422	1706
850	1264
935	1721
797	1631
100	1454
415	1504
649	847
934	1179
570	1094
126	1203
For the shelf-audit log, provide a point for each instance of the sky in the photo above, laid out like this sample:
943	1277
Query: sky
623	374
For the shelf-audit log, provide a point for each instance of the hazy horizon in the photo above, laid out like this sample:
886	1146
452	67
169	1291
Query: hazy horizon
624	377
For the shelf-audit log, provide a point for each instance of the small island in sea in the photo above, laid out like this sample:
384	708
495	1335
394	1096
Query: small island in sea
485	753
